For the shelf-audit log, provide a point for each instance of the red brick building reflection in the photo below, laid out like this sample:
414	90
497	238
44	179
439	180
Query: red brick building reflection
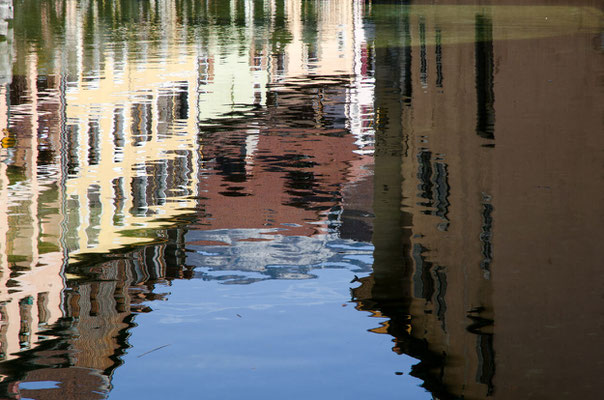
285	167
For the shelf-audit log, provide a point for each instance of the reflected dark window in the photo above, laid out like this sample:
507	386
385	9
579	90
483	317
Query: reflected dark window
178	174
73	162
439	58
3	329
486	361
423	283
310	30
19	90
259	15
423	63
25	306
139	196
118	200
441	291
441	179
280	63
181	106
485	95
118	134
407	84
433	187
94	155
424	175
486	236
43	313
240	12
482	328
142	123
94	299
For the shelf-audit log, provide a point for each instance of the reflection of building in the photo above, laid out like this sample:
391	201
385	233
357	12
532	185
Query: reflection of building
107	140
31	262
294	182
6	14
83	348
132	146
497	141
289	169
547	242
116	120
78	153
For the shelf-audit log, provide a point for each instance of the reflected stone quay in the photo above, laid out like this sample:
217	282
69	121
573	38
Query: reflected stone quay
301	199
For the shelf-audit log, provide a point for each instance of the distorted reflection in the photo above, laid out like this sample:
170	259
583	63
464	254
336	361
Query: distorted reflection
429	160
469	275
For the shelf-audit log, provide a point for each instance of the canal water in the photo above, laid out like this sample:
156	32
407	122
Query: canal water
301	199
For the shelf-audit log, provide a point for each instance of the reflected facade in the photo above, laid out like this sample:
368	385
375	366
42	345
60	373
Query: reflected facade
489	132
446	156
111	142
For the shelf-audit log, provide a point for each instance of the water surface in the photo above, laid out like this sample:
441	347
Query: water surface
301	199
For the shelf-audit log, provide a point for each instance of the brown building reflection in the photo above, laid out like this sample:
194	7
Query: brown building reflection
489	274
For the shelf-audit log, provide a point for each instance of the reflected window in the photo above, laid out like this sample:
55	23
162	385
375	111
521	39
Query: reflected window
142	123
485	94
43	313
25	330
423	63
439	58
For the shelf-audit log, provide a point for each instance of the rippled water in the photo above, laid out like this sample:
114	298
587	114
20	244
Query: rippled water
301	199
